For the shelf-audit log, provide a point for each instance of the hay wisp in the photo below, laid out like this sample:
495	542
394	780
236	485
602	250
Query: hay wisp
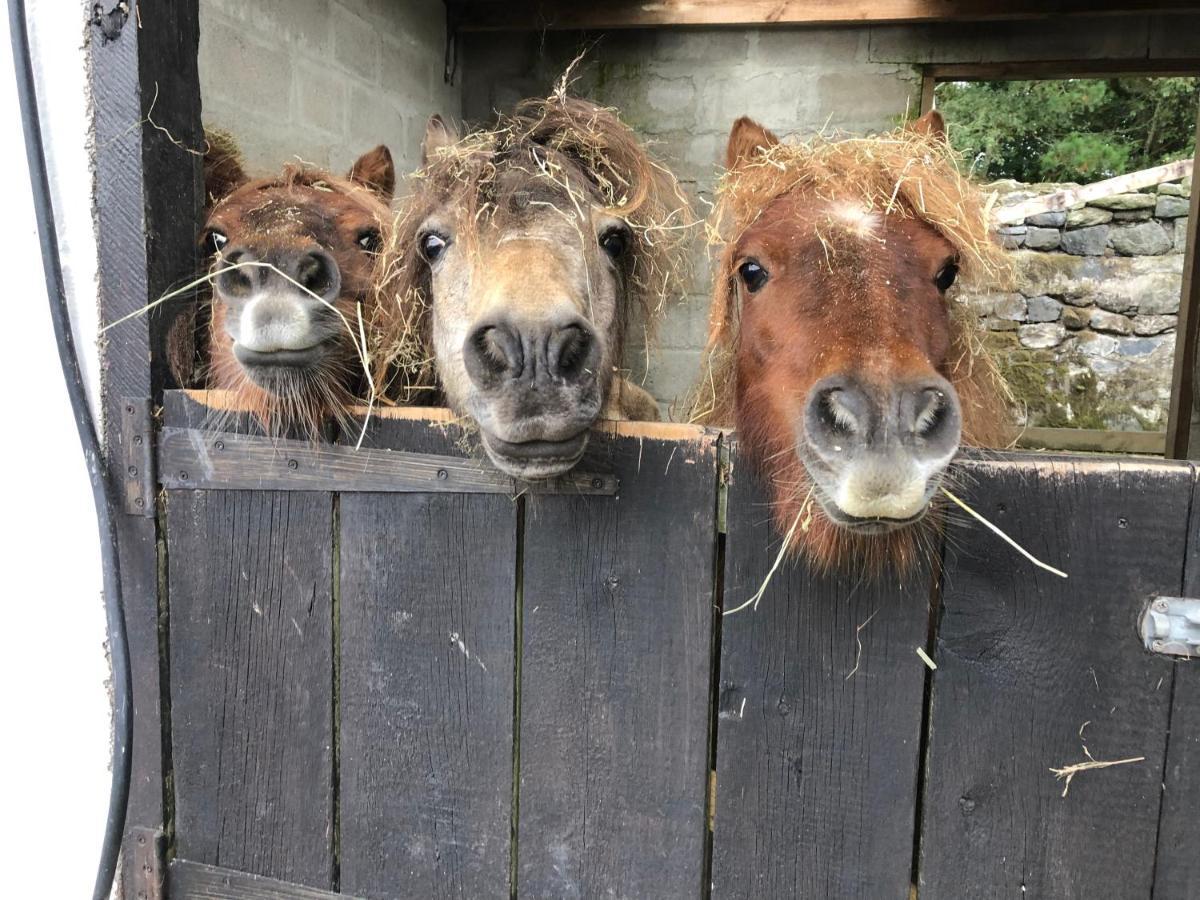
1004	537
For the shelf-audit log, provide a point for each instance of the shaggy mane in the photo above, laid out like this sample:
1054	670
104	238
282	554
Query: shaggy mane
901	173
583	148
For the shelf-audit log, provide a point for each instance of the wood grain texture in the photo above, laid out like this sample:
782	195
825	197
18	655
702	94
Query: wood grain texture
488	15
195	881
819	721
428	584
1177	869
1031	668
250	579
617	605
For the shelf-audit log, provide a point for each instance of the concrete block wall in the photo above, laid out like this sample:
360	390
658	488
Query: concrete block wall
324	80
682	88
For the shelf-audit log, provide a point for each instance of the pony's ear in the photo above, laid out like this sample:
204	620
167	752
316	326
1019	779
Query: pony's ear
375	170
747	139
438	133
931	124
223	173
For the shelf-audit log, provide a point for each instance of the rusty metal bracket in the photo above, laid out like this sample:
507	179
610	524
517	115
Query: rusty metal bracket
192	459
145	873
137	456
1171	625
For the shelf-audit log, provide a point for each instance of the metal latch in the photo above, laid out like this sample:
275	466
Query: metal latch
1171	625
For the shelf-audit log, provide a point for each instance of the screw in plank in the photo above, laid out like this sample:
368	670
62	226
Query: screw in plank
139	502
137	440
597	483
220	445
443	474
132	471
1122	522
1160	605
1157	646
183	476
129	409
292	464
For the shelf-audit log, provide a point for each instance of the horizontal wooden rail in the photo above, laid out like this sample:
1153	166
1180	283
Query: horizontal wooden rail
1093	440
191	881
482	15
195	459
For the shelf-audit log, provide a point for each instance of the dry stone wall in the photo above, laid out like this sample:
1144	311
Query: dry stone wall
1086	333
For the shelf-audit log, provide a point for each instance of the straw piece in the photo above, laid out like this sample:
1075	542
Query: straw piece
1029	556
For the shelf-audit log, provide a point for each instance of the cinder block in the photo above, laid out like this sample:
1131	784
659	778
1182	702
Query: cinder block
356	44
320	101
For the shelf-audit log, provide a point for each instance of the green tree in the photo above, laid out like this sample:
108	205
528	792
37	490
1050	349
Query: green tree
1071	129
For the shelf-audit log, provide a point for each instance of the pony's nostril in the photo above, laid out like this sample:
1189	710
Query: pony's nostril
318	273
933	413
567	351
493	351
836	414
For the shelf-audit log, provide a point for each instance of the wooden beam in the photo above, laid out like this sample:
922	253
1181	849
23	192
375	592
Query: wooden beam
491	15
190	881
1091	440
1183	421
1069	197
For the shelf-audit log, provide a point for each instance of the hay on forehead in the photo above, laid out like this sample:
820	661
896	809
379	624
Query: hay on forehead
575	149
902	173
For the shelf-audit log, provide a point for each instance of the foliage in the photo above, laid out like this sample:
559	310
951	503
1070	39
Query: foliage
1072	129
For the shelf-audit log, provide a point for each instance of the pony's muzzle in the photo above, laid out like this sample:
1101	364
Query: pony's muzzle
280	307
877	452
503	353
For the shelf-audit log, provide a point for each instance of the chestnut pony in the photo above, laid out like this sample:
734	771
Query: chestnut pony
292	260
851	377
531	249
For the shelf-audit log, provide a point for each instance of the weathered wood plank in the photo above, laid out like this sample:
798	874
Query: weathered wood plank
1032	668
426	623
617	608
1177	870
196	881
489	15
204	459
819	721
250	585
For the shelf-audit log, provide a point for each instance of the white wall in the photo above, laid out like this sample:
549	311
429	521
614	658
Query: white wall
52	661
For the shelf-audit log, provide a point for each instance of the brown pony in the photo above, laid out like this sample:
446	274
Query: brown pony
523	257
849	374
292	260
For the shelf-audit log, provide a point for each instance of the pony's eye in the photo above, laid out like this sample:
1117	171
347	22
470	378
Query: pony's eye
753	275
370	240
213	241
945	277
432	246
615	242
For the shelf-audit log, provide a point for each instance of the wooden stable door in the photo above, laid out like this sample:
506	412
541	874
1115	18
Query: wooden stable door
492	693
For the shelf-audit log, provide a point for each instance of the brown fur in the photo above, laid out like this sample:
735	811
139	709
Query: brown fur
303	207
846	299
558	144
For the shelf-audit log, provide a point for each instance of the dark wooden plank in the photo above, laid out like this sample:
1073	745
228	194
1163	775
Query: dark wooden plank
490	15
131	190
617	606
1032	667
196	881
1177	869
250	585
426	623
819	721
1183	419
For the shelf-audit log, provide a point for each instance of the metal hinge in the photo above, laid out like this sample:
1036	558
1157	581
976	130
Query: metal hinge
137	456
1171	625
144	877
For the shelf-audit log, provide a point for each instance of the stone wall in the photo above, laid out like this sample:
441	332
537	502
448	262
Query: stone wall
1087	333
324	80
